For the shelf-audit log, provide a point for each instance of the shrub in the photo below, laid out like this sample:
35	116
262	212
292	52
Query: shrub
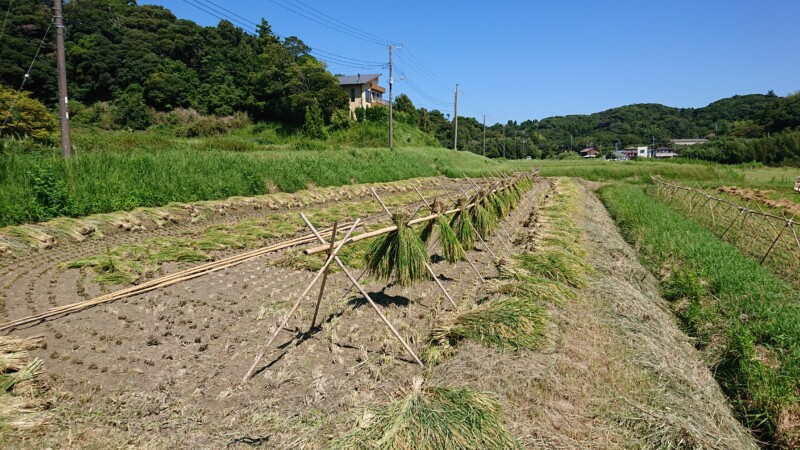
314	126
130	110
28	117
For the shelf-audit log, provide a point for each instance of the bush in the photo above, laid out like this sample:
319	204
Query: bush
130	110
377	114
28	117
340	119
361	114
314	126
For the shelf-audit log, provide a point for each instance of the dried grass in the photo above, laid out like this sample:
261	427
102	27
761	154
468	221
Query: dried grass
399	255
428	418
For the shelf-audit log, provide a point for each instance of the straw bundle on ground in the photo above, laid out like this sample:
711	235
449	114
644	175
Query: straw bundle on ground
511	323
20	404
399	255
433	418
452	251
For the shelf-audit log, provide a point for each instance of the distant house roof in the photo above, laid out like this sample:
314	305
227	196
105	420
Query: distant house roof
358	79
664	149
689	141
588	150
377	88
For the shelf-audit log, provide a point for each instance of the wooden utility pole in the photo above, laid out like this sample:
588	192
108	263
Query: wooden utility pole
504	141
63	102
455	121
391	103
484	135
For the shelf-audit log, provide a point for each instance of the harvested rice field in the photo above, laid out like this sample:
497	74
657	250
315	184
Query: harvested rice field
556	336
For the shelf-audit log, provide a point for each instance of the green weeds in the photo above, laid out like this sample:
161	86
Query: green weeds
745	318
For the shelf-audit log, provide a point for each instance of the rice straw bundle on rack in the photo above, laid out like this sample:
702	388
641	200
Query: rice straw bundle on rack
399	255
484	217
451	248
461	226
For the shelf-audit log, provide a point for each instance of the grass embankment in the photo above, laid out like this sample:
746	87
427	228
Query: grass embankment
745	319
38	187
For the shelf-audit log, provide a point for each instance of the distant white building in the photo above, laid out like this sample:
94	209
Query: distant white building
643	152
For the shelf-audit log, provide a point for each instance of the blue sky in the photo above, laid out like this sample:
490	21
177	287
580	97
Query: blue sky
518	60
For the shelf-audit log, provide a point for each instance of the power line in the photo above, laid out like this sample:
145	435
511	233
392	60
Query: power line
367	35
416	64
329	22
221	13
8	11
27	75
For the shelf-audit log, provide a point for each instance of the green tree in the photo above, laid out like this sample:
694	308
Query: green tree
314	126
130	109
27	117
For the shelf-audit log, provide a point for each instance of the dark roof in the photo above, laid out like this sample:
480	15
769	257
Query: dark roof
358	79
664	149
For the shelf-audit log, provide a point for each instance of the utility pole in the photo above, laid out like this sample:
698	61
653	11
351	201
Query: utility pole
484	135
391	103
504	141
63	109
455	138
516	143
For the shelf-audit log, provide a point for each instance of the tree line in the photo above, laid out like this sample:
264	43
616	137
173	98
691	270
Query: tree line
125	61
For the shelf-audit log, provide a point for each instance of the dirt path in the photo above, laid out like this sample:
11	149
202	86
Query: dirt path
162	369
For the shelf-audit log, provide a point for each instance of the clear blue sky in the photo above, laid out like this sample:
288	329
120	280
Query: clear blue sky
518	60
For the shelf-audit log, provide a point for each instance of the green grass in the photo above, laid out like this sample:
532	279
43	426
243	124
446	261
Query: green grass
746	319
148	169
433	418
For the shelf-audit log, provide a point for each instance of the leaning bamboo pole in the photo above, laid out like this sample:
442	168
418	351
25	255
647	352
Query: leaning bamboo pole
177	277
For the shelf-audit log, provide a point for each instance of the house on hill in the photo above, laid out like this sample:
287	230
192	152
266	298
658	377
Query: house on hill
590	152
363	90
664	152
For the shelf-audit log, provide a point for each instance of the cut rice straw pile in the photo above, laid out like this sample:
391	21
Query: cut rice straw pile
432	418
21	405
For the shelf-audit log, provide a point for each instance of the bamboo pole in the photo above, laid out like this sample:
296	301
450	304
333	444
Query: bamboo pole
466	256
302	296
427	266
324	280
366	296
485	245
168	280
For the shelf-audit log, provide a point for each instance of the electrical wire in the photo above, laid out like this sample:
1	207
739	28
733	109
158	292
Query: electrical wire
8	11
25	78
323	19
222	13
411	61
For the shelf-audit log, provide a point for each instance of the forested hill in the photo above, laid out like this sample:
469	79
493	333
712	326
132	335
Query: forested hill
745	116
118	48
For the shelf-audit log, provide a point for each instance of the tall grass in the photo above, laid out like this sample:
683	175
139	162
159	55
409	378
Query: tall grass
37	187
745	318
